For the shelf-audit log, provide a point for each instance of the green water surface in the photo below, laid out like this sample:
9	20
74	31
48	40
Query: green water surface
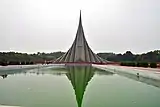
75	86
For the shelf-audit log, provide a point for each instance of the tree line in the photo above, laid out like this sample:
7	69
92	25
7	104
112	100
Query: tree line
149	59
152	56
16	58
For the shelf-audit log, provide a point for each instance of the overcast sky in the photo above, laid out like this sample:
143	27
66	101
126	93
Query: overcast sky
51	25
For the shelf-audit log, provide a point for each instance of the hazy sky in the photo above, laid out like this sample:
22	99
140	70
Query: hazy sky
51	25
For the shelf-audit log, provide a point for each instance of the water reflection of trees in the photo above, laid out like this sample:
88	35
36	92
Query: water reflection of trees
4	74
38	71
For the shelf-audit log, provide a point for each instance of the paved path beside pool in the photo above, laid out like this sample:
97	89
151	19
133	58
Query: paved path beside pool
16	67
153	73
8	106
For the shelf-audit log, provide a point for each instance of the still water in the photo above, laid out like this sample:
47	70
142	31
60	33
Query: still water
76	86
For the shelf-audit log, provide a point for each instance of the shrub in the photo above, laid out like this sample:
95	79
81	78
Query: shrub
4	64
14	63
153	65
27	63
31	63
122	64
133	64
23	63
142	64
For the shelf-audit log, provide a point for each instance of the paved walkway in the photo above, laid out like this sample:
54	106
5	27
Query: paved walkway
144	72
8	106
16	67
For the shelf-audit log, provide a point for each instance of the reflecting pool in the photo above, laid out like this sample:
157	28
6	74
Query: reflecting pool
76	86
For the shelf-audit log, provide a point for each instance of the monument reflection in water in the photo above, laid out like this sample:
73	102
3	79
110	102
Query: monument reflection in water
79	77
26	87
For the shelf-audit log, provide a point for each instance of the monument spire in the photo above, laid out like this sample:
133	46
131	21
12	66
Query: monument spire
80	19
80	50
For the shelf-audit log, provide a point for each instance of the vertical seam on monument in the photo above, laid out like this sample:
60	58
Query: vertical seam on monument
89	55
75	46
73	53
84	42
85	53
65	56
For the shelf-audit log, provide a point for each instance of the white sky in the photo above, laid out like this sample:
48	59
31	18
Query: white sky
51	25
